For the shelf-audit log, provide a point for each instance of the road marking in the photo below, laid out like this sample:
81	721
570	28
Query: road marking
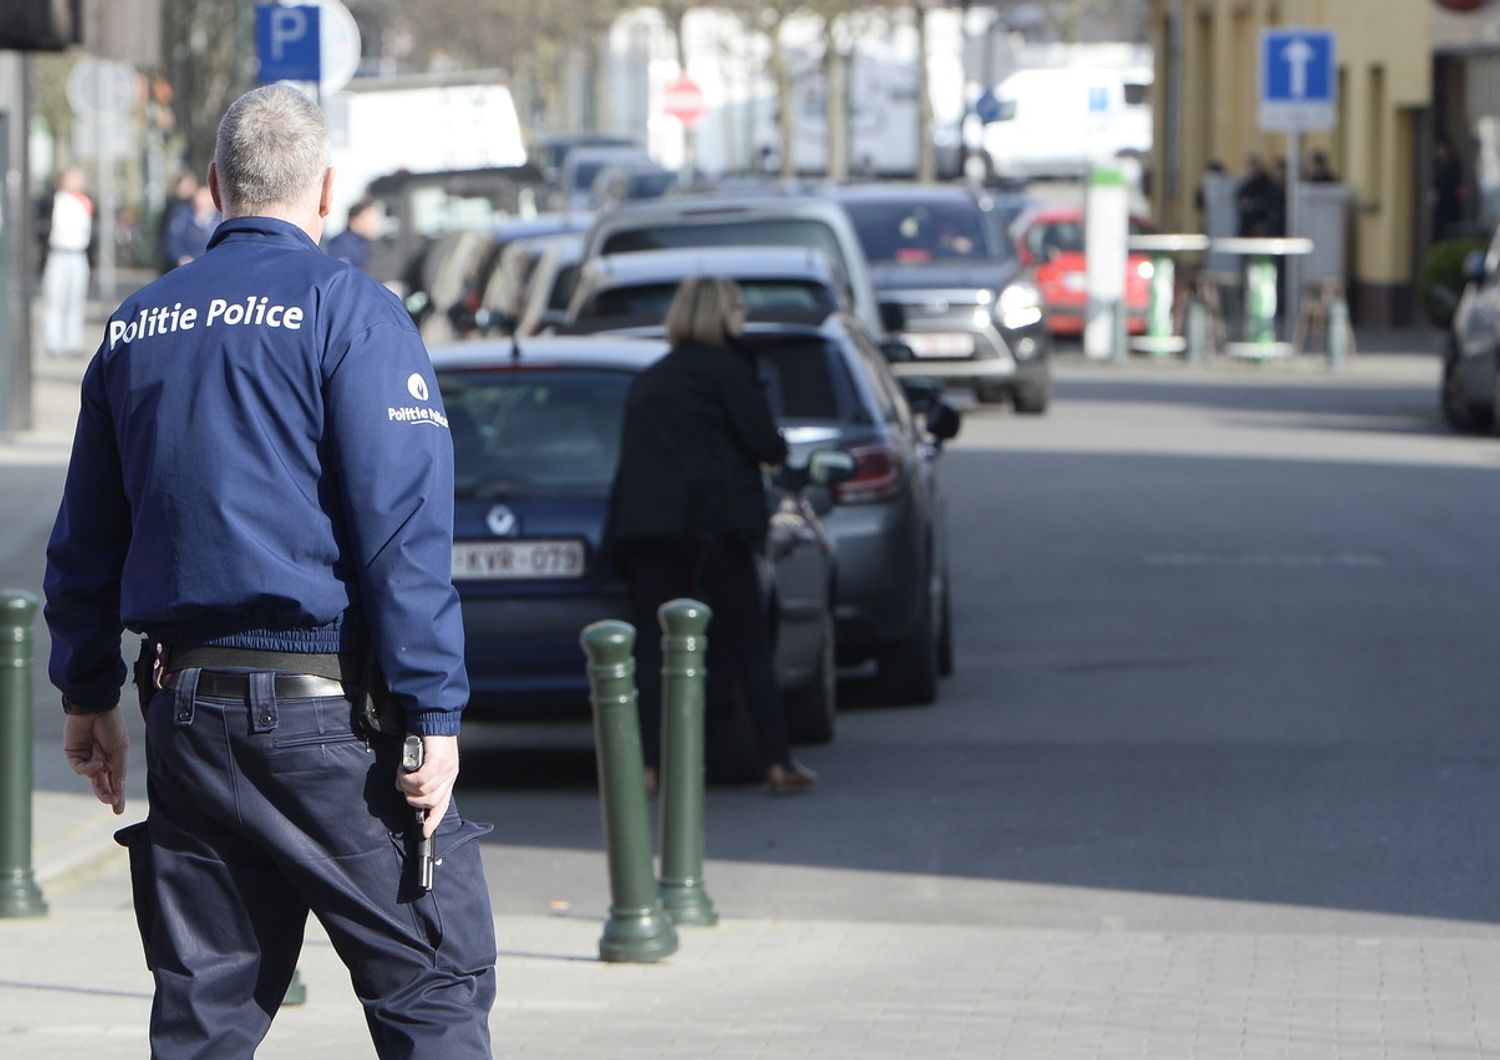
1278	560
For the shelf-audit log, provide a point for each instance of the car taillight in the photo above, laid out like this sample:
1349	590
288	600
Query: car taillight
877	476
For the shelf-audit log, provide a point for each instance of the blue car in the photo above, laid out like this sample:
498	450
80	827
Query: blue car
536	433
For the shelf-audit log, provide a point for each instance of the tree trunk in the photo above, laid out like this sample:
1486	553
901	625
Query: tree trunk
785	116
835	84
926	158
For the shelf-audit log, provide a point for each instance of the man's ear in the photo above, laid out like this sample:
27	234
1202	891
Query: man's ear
213	187
325	196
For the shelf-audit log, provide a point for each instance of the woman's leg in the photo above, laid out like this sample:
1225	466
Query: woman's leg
741	630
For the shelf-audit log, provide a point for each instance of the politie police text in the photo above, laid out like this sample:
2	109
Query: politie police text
255	310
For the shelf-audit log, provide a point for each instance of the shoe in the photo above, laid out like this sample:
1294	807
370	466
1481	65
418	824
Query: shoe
790	779
651	781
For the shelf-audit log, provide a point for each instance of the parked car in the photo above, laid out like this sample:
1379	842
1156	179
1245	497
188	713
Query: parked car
1051	245
775	281
536	435
830	385
491	295
758	220
550	151
1470	394
628	181
964	306
582	165
551	287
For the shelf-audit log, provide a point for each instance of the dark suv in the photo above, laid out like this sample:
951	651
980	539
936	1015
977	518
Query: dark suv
952	286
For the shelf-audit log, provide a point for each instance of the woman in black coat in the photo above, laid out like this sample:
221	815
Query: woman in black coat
688	512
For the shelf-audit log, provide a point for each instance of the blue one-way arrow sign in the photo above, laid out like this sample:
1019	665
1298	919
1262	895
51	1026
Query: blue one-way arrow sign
1297	79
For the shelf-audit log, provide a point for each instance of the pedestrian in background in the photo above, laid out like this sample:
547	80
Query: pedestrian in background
190	229
352	245
65	278
238	493
183	190
1259	200
688	514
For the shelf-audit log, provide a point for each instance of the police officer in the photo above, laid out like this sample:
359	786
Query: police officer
261	482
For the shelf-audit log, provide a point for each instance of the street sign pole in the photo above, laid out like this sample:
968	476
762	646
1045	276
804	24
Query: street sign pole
1297	84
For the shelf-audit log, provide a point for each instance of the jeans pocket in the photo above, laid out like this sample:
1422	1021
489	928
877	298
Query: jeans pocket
454	916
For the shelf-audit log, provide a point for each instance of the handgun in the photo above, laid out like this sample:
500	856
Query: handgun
411	761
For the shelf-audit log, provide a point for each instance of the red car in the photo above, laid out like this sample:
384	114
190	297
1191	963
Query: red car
1051	245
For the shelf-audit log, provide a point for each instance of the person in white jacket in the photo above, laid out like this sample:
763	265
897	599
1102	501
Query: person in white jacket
65	281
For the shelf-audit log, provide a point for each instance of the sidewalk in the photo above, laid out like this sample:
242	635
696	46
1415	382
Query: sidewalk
778	988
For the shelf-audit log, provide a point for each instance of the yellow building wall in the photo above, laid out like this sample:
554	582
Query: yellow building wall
1384	79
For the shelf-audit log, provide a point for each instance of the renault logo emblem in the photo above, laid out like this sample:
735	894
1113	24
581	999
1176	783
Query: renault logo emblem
502	521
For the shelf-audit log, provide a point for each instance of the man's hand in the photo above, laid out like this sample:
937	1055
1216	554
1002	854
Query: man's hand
97	747
431	787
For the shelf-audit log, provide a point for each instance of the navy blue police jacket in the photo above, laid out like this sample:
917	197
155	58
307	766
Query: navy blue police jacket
262	460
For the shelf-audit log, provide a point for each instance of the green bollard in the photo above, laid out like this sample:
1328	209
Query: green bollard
1260	303
683	644
1197	331
1162	291
638	930
1338	334
19	894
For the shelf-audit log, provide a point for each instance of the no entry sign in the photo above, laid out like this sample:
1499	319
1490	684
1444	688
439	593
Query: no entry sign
684	101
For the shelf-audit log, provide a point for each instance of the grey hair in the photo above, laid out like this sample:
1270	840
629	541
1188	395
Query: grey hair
271	150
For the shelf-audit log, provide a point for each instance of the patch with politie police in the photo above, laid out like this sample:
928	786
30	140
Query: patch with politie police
255	311
416	386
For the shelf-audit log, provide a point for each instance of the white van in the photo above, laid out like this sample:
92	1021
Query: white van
1056	122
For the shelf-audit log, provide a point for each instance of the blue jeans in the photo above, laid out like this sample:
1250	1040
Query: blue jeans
262	811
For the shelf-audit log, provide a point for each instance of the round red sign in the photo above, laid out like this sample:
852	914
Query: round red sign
684	101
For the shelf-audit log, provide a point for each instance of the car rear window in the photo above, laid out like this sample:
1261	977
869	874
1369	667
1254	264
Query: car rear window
917	233
769	232
534	432
768	297
805	376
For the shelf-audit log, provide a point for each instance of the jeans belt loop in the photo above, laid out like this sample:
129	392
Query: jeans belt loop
262	701
183	694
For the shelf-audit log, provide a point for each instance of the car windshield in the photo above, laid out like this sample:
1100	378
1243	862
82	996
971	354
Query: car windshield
1046	238
919	233
764	296
534	432
770	232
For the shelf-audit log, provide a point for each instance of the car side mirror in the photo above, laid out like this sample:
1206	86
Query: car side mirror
1474	271
892	317
922	393
829	467
897	352
943	421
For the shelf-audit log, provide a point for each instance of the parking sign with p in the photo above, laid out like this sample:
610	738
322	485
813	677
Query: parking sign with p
287	41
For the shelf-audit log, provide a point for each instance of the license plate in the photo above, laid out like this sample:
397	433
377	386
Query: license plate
493	560
941	344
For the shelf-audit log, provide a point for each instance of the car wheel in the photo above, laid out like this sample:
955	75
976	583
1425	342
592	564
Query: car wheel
908	670
945	631
1032	399
1459	413
812	709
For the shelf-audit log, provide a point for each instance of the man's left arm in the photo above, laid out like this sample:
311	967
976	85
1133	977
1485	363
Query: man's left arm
85	558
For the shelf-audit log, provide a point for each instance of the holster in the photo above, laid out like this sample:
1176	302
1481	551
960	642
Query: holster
378	713
143	673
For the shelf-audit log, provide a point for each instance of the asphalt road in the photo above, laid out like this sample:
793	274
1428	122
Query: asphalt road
1226	661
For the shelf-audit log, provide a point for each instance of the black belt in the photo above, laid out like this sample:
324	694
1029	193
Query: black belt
237	686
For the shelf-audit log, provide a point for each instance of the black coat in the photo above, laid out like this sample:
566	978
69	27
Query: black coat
697	428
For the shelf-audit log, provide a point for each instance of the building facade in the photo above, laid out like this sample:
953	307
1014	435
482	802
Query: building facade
1207	93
